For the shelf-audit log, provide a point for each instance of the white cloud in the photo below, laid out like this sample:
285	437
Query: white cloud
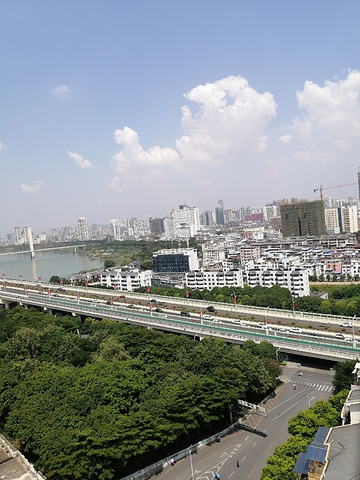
230	119
331	117
285	138
133	160
3	147
36	187
79	160
61	91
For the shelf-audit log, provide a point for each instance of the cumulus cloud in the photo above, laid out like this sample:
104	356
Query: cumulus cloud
3	147
61	91
228	118
331	117
34	188
79	160
134	160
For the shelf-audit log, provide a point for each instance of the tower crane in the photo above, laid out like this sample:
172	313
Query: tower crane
321	188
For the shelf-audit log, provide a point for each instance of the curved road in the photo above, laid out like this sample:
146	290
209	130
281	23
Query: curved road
252	448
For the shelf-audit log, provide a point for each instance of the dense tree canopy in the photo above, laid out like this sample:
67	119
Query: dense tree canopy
102	399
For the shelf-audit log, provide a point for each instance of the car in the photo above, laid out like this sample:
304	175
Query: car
266	327
261	324
130	306
210	309
340	335
121	296
158	310
153	300
206	316
348	340
185	314
346	324
282	330
295	330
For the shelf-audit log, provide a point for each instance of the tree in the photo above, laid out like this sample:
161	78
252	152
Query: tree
343	377
109	263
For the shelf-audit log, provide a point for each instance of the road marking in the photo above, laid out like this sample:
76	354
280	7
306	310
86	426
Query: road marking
246	437
270	446
252	471
254	444
231	474
243	458
293	405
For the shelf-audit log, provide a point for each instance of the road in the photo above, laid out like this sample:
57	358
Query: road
252	448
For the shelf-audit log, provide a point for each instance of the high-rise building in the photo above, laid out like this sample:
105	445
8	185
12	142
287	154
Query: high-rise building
182	223
303	219
349	219
359	181
156	225
219	214
82	229
114	225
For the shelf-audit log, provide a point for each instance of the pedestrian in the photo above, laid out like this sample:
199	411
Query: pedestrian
172	462
237	463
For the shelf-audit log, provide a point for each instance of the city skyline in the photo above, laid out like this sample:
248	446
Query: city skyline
128	109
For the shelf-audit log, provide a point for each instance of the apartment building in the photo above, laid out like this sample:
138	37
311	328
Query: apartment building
296	280
207	280
125	280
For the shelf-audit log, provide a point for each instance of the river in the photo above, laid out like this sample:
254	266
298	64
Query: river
46	264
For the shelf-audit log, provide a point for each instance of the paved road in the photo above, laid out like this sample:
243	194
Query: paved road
252	448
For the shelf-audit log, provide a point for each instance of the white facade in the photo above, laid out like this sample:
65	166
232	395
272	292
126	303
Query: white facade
182	223
126	280
202	280
213	254
294	279
114	225
349	219
332	220
82	229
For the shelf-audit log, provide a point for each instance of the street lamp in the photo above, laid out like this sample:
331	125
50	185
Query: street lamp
191	464
353	328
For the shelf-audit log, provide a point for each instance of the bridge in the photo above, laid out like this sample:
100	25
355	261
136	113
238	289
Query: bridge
43	249
328	348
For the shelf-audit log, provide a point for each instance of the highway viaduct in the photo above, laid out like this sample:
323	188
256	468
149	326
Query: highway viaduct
287	343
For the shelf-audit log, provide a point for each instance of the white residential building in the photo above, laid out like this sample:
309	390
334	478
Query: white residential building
115	229
207	280
82	229
213	253
332	220
296	280
349	219
182	223
125	280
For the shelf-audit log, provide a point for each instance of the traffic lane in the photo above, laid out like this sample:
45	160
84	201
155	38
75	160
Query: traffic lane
250	448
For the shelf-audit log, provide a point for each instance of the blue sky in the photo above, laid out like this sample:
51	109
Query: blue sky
116	109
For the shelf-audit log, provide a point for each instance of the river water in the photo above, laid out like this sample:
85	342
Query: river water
46	264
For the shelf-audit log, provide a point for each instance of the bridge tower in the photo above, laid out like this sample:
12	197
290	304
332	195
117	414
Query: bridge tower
31	243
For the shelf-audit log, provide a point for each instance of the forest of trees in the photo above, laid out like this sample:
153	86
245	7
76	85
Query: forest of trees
101	399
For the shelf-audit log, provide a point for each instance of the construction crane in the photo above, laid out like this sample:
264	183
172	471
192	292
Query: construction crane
321	188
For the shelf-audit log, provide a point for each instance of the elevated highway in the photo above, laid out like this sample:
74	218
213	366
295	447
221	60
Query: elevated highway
286	343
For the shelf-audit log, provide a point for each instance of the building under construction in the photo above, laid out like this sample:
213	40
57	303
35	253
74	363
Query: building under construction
303	219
